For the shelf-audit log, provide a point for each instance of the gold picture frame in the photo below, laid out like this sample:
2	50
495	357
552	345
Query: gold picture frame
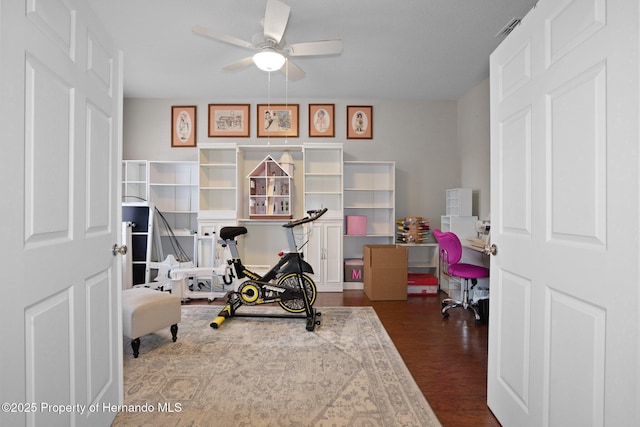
277	120
229	120
183	126
359	122
321	121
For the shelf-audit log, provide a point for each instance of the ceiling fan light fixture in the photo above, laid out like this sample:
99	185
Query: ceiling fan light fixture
268	60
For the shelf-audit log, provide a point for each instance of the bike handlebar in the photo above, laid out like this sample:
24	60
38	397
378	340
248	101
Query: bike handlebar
313	215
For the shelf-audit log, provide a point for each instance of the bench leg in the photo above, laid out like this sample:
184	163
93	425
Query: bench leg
174	332
135	345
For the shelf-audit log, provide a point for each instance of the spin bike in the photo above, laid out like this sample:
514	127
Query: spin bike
285	283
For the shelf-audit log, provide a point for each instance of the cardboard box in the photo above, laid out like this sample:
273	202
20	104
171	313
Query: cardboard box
353	270
356	225
422	284
385	272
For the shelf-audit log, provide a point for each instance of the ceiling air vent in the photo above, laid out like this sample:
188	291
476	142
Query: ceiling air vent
513	23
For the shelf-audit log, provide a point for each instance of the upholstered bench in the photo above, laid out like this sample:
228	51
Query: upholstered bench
145	311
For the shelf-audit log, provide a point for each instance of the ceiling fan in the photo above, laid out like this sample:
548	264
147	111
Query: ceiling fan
272	45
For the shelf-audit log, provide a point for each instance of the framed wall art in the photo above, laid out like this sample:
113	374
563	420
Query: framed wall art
183	126
359	122
321	120
229	120
277	120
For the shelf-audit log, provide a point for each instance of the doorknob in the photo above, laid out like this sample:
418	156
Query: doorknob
491	250
122	250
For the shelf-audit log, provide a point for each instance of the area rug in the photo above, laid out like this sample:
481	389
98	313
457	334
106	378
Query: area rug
255	371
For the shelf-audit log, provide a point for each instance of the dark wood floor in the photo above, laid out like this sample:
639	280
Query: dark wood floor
447	357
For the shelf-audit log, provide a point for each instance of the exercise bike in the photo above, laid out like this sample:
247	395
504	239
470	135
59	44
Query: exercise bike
285	283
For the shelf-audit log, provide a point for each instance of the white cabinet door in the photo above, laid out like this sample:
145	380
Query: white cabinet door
324	253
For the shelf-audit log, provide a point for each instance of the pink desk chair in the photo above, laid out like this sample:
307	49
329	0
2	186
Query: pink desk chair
450	255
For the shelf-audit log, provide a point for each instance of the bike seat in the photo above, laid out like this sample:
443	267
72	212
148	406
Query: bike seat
227	233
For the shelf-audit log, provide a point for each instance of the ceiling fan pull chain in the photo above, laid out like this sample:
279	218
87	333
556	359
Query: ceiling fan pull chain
286	92
268	101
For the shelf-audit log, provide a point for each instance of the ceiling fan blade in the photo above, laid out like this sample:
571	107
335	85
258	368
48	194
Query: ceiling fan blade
275	20
207	32
322	47
292	71
239	64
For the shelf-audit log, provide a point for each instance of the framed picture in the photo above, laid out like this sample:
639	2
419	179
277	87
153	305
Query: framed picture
183	126
229	120
321	123
277	120
359	122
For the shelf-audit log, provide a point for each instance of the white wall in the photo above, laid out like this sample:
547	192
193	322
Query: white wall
474	138
435	144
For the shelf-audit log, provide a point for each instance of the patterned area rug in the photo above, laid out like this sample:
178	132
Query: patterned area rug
271	372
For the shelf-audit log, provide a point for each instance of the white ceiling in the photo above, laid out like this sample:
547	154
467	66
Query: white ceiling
393	49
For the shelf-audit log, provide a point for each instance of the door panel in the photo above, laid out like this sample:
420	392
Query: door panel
48	123
577	136
514	343
573	361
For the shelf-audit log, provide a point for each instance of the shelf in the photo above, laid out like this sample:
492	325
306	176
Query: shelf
369	191
217	180
323	178
134	182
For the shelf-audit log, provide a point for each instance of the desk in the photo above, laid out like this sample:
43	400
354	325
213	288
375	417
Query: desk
423	256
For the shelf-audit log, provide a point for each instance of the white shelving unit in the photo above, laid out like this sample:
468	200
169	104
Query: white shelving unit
323	175
459	202
134	181
173	190
369	191
199	198
323	186
218	181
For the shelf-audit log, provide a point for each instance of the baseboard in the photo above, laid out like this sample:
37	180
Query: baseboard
353	286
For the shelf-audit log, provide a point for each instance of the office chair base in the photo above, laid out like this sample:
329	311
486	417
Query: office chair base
452	303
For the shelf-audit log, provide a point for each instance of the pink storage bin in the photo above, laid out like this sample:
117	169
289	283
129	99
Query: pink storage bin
356	225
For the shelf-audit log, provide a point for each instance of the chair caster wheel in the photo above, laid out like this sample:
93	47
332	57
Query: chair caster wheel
478	322
444	304
445	315
209	299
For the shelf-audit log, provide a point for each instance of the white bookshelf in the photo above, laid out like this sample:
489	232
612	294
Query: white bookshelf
369	191
134	181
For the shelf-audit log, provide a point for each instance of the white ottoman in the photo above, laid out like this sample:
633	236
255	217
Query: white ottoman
145	311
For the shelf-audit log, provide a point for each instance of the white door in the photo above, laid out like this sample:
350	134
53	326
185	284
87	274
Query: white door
563	330
60	101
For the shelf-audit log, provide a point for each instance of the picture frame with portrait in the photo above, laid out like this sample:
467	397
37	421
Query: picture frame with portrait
359	122
229	120
183	126
277	120
321	121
